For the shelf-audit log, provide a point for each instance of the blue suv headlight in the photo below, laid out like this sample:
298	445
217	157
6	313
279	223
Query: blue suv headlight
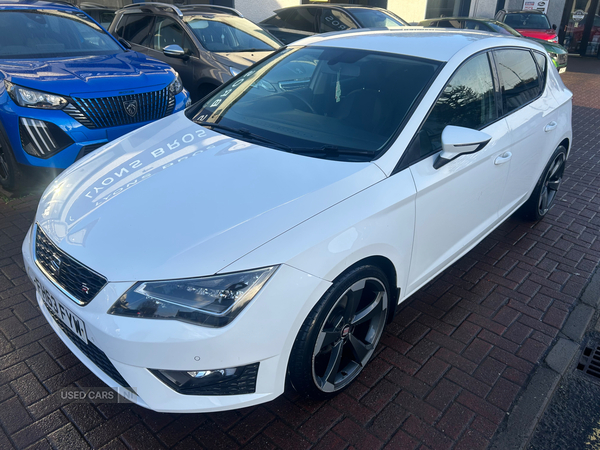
31	98
176	86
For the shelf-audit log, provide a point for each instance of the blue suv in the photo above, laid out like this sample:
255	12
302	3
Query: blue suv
68	87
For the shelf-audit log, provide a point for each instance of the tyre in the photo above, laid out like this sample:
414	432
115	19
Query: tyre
340	334
544	194
10	172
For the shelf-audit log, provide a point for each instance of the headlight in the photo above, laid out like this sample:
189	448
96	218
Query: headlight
234	71
554	39
176	86
30	98
553	55
211	301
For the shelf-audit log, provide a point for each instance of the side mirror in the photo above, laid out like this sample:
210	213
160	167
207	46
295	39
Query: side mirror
554	27
125	44
458	141
175	51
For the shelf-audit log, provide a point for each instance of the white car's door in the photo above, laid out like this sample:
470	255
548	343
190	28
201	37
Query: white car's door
458	203
531	118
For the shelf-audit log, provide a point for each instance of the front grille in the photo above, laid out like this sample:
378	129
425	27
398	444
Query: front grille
108	112
244	384
86	150
562	59
79	281
94	354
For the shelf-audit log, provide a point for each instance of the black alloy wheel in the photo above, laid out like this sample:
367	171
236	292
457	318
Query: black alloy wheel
545	192
340	334
551	184
10	174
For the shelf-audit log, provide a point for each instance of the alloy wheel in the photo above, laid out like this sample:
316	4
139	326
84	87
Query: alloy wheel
551	184
4	171
349	334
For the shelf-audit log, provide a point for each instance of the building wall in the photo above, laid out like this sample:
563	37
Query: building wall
412	11
257	10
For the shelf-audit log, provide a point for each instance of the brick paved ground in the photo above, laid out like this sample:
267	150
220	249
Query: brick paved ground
449	368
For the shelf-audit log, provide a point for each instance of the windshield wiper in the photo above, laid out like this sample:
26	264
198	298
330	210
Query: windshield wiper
331	150
247	135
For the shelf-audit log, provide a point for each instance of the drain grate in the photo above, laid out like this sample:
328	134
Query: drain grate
589	361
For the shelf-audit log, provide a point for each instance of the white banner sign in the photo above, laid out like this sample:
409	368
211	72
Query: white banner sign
540	5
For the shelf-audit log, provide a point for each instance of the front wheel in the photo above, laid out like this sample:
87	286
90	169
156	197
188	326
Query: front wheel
340	334
10	173
544	193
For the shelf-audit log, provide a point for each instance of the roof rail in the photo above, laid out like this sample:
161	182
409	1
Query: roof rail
212	8
175	9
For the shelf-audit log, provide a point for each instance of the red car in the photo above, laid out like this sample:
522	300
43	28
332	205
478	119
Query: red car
529	23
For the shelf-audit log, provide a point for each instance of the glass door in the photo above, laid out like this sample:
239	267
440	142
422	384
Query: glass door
582	32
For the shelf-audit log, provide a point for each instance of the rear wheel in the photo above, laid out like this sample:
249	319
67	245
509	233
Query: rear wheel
546	189
340	334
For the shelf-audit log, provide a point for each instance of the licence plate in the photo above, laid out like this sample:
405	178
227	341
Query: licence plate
562	70
61	312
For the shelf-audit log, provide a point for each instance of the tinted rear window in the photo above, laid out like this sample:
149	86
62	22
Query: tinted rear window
519	78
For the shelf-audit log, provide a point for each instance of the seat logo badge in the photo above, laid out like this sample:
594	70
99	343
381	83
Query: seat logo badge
55	264
85	289
131	107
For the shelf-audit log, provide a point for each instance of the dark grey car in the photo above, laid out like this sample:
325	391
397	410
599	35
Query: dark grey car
297	22
207	45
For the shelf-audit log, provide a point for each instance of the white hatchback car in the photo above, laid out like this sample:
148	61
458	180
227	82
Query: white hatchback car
271	231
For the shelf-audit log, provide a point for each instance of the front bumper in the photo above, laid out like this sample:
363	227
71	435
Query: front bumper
263	333
84	139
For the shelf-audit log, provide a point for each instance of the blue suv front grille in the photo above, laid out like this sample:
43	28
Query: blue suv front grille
105	112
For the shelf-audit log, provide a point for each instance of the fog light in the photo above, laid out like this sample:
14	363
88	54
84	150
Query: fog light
230	381
197	378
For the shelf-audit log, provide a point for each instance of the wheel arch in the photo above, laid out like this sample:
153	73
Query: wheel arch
388	268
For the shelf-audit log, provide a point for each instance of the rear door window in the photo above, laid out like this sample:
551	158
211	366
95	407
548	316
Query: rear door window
303	19
518	77
334	20
136	28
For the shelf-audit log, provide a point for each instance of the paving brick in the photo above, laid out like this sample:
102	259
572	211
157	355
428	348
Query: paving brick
320	423
403	441
285	437
356	435
472	440
503	394
443	394
13	416
67	437
427	434
110	429
480	406
29	389
422	351
408	383
39	429
255	422
418	407
388	421
331	441
211	437
532	350
171	433
455	420
380	395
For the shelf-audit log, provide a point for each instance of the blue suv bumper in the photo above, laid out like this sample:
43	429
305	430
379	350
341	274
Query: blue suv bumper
54	138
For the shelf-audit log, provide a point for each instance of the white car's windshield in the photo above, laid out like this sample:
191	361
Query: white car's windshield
327	102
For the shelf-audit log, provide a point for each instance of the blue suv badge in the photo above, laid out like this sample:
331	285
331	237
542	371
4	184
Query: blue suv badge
131	107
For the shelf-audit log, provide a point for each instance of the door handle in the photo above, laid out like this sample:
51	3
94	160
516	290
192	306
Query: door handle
503	158
551	126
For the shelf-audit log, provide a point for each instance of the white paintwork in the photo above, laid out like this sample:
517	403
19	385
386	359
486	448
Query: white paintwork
174	200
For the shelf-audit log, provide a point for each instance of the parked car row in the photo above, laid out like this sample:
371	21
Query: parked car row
68	87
